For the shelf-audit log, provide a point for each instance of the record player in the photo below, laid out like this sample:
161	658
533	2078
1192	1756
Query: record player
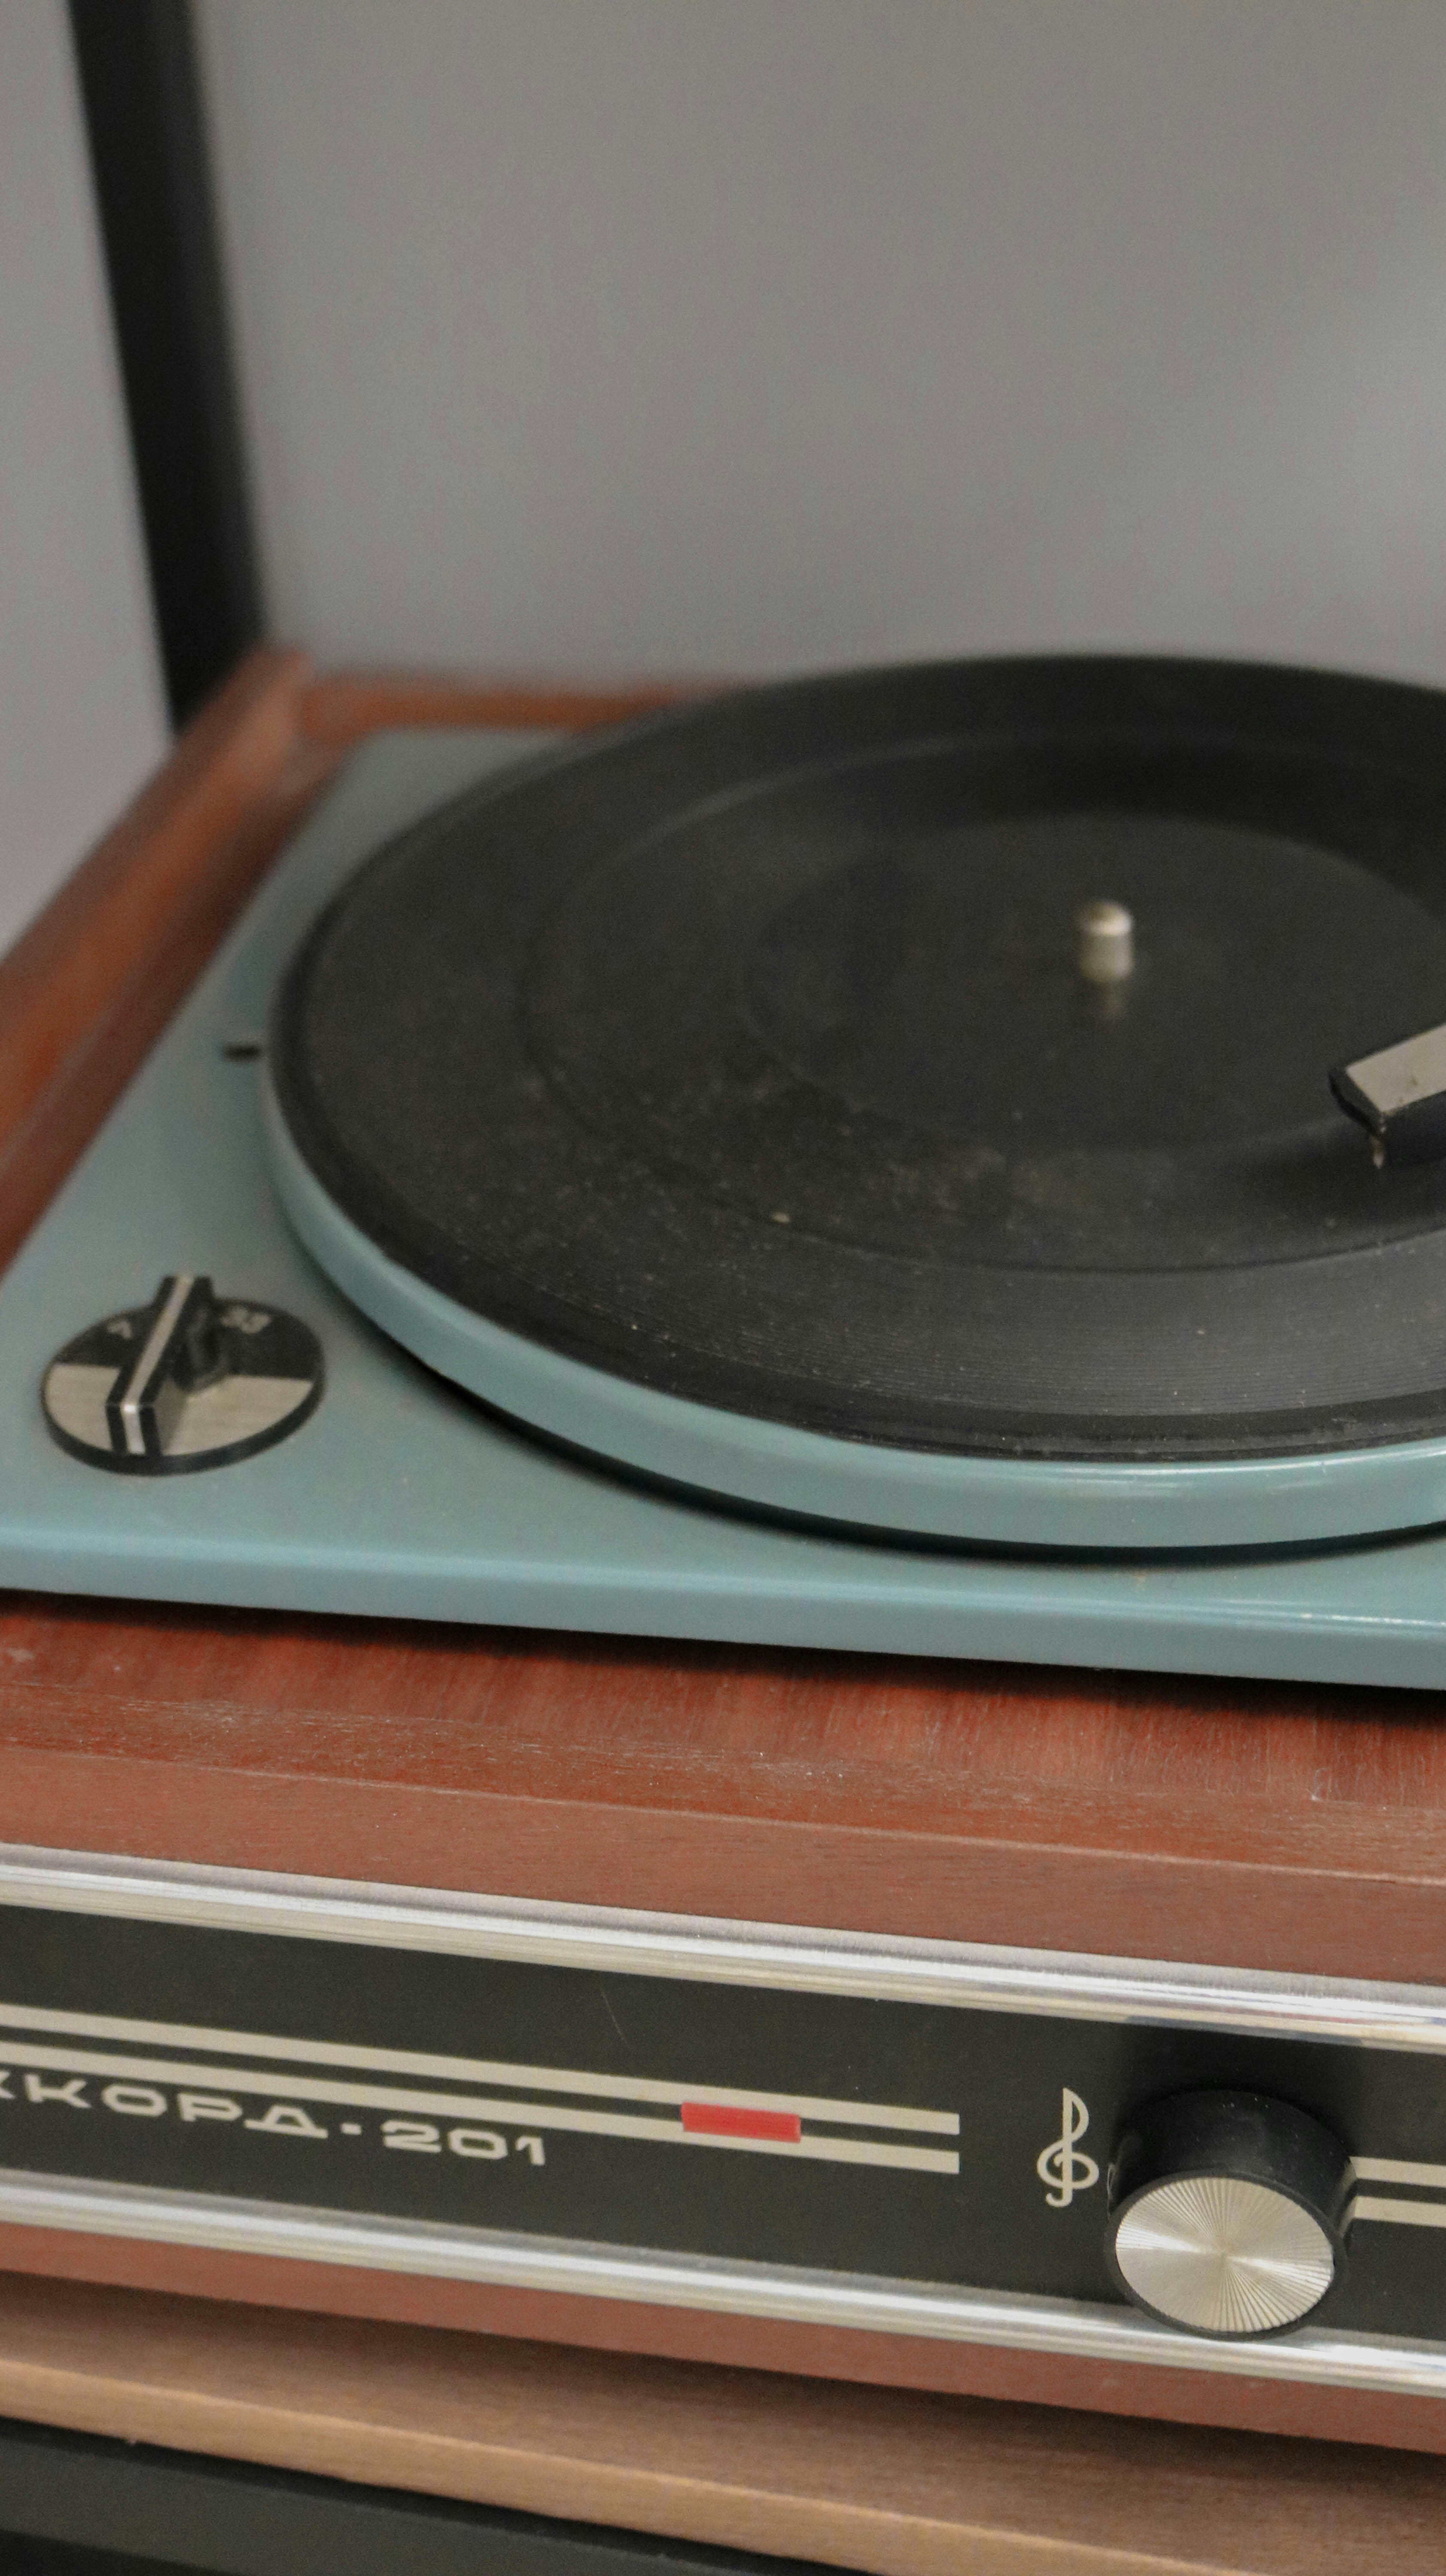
916	1165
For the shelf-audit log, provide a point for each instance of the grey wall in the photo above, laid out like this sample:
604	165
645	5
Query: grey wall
626	335
80	698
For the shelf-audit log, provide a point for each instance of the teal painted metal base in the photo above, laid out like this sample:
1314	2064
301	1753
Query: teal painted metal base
403	1497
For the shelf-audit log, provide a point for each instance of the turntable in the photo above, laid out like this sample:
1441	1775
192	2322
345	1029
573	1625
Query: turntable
938	1163
729	1103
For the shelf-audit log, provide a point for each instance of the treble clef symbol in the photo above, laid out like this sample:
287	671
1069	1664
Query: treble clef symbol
1060	2168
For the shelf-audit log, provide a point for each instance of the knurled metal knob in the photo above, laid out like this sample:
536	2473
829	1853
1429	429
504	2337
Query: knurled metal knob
1228	2213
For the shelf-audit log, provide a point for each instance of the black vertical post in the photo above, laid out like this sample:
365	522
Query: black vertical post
140	88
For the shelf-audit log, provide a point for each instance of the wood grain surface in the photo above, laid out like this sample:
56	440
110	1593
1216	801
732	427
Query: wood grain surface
340	708
90	985
882	2480
1260	1827
1301	1829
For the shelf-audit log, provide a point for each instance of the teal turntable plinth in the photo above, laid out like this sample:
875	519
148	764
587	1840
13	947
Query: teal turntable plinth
403	1496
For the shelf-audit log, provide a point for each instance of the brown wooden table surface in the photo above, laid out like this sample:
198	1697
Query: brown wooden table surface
878	2479
1266	1826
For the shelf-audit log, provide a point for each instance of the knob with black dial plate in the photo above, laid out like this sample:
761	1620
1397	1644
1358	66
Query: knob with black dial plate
191	1380
1228	2213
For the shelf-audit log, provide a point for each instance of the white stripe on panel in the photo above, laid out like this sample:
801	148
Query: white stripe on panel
466	2070
1402	2213
459	2106
1393	2169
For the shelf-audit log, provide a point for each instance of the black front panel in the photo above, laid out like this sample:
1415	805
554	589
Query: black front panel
919	2142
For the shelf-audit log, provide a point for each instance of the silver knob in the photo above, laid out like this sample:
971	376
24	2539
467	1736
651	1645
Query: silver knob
1227	2213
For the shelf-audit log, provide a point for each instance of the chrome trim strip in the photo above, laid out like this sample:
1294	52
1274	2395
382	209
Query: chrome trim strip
978	1977
1076	2329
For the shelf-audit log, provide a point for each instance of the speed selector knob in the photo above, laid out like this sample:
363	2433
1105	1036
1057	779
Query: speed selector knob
191	1380
1228	2212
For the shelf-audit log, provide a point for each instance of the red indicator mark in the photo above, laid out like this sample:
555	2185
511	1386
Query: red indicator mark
722	2120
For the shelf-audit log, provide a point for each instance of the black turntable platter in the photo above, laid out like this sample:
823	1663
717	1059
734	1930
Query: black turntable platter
744	1058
